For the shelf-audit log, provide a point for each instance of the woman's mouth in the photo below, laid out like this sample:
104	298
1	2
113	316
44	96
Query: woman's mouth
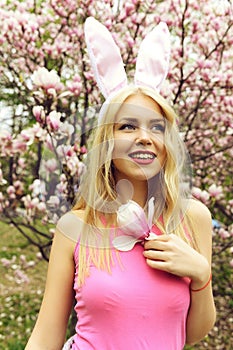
142	157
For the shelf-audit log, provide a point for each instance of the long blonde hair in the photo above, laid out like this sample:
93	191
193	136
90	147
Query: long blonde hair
97	194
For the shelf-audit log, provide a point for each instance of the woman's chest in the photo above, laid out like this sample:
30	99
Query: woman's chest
133	285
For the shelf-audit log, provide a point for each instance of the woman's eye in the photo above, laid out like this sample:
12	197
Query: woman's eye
158	127
127	127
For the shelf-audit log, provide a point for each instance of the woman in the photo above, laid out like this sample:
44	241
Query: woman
148	289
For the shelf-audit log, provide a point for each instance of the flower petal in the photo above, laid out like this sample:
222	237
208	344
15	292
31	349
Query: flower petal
125	243
132	220
151	209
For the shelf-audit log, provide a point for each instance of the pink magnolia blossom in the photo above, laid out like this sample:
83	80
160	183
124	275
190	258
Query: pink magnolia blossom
37	188
39	256
38	132
19	145
67	128
223	233
50	142
215	191
53	120
41	206
134	225
83	150
2	180
201	195
27	200
19	186
21	277
27	136
6	262
1	197
46	79
73	165
52	92
11	192
75	87
65	151
39	114
53	201
5	135
51	165
61	187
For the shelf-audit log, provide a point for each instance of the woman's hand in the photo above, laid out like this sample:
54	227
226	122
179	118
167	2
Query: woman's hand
171	254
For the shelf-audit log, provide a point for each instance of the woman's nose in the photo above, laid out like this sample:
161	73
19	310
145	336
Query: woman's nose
143	137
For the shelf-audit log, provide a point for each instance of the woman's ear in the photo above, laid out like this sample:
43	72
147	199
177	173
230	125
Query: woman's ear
105	57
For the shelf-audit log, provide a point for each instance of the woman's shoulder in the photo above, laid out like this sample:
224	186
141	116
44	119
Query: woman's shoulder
71	224
200	219
198	210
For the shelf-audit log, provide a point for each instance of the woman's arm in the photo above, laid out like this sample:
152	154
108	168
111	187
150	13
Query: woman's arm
202	313
50	329
170	253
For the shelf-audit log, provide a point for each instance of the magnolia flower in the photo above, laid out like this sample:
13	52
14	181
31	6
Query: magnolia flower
46	79
2	180
51	165
39	114
27	136
11	192
41	206
73	165
67	128
36	187
199	194
215	191
134	225
64	151
223	233
53	201
19	146
75	87
61	187
53	120
27	201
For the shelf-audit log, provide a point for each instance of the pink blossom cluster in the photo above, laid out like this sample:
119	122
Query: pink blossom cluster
17	267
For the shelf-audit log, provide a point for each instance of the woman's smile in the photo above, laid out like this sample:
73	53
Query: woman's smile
142	157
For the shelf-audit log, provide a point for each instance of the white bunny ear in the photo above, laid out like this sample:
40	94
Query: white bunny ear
153	58
105	57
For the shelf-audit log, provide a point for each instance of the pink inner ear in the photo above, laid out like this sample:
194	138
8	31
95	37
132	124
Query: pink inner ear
105	57
153	58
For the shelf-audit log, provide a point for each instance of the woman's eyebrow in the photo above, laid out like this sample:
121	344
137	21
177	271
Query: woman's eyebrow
135	120
127	119
157	120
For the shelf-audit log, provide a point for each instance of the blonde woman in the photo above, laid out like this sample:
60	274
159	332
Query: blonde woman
135	251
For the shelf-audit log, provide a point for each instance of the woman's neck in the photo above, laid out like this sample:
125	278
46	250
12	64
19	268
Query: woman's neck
136	191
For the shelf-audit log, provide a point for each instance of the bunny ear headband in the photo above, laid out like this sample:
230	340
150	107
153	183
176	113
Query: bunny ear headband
151	66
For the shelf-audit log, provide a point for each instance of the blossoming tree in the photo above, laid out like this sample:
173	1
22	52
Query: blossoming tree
48	100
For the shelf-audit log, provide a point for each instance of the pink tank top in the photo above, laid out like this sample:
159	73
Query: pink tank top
133	308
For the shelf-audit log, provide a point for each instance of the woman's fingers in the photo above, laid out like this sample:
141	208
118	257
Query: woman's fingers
170	253
159	243
155	255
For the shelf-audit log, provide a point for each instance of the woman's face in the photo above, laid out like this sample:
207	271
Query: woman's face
139	151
